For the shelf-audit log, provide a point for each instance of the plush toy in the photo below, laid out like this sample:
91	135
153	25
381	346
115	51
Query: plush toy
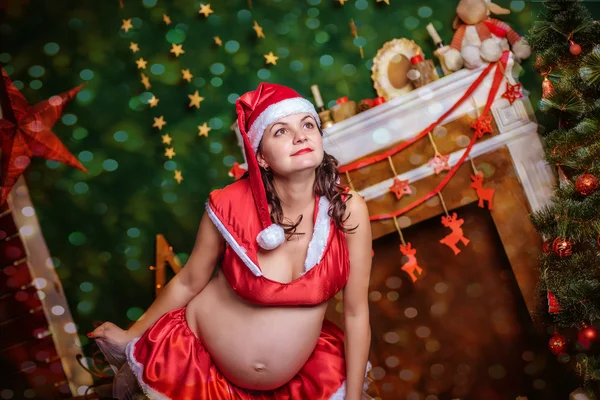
479	38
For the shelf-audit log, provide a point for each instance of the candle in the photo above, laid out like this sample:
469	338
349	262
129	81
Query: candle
433	33
317	95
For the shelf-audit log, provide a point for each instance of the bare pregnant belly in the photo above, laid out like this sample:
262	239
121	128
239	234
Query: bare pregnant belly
254	347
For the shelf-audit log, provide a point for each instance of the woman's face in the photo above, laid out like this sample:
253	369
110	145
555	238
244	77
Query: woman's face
291	144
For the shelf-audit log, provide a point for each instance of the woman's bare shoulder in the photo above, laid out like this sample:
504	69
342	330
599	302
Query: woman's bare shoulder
357	211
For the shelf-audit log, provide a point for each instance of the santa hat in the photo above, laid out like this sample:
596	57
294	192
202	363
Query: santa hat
257	110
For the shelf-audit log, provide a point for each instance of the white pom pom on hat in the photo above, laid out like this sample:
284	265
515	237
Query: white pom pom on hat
256	110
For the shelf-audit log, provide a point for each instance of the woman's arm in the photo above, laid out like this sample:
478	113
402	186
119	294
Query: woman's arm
190	281
356	304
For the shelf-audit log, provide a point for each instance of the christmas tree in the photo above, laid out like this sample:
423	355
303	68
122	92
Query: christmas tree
567	47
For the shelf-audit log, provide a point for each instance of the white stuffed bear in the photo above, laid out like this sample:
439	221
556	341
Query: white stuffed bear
479	38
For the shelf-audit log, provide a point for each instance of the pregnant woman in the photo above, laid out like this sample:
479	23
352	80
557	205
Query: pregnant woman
284	239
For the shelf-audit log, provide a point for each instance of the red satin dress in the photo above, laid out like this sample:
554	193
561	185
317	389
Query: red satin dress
170	362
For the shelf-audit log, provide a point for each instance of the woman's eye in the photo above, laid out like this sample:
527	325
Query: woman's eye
309	125
280	131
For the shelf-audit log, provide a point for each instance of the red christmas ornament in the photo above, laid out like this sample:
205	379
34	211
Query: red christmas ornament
457	234
236	172
482	125
586	184
440	163
411	267
513	92
562	247
557	344
400	188
25	132
547	246
553	304
587	336
547	88
483	193
575	49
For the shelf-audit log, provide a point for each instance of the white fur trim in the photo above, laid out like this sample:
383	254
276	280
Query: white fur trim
340	394
239	250
278	110
316	246
138	371
318	242
271	237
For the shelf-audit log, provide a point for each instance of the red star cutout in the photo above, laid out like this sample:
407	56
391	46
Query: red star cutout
440	163
236	172
25	132
513	92
482	125
400	188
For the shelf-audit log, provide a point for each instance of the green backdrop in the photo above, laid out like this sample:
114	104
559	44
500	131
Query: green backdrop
100	227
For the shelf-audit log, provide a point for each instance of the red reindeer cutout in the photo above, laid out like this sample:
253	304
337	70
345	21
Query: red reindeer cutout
457	234
411	267
482	193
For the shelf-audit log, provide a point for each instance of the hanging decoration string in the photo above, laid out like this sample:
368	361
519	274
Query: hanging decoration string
399	231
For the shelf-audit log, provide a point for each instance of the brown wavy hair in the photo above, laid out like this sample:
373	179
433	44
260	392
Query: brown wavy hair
326	178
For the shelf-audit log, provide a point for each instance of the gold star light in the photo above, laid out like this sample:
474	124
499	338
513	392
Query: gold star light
342	1
384	1
187	76
178	176
159	122
203	130
126	25
134	47
170	152
258	29
166	19
177	49
218	41
153	101
166	139
205	9
146	81
195	99
271	58
141	63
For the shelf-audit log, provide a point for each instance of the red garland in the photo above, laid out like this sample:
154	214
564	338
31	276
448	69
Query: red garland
492	94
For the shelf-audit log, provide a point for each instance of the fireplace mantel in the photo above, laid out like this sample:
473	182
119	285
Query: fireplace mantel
403	117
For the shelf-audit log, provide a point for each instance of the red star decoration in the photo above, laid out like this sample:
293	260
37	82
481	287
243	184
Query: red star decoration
236	171
25	132
440	163
400	188
482	125
513	92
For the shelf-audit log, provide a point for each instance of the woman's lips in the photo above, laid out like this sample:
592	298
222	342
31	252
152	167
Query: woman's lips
300	152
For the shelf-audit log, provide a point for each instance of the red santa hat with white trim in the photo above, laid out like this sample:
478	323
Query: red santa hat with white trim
257	110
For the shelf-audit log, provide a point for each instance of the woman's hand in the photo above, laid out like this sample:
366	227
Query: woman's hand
112	334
